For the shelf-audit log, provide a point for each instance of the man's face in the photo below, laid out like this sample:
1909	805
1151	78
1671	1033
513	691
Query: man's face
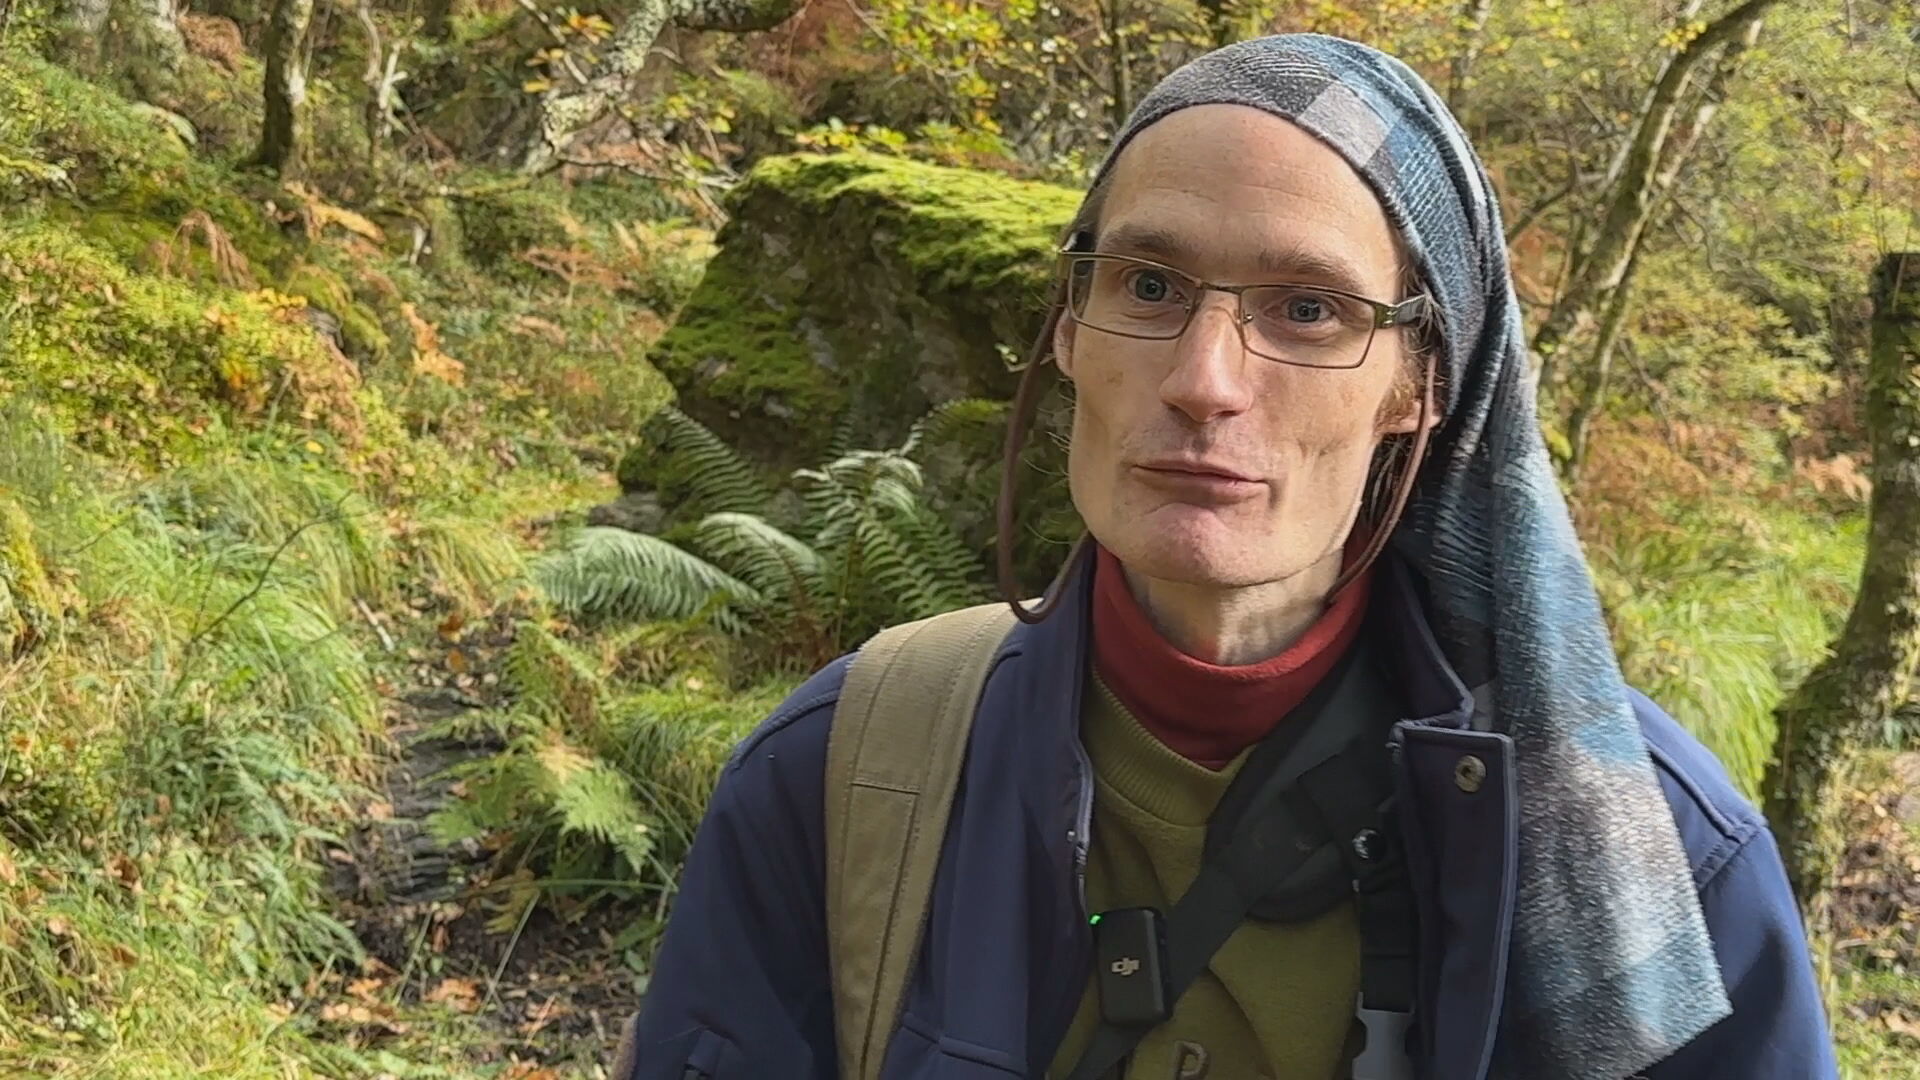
1194	460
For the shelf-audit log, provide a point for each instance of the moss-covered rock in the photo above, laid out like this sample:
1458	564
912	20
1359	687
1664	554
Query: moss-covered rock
361	333
498	227
858	288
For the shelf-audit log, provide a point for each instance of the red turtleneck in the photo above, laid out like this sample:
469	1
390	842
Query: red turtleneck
1208	713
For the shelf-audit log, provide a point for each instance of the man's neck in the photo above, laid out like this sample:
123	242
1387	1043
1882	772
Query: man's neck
1236	626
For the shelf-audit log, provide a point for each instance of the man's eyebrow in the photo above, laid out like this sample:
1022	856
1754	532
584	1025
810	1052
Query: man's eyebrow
1296	263
1289	262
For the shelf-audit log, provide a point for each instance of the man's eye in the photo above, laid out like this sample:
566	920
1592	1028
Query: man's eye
1151	286
1306	308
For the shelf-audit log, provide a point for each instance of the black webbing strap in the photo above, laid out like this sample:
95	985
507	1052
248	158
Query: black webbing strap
1321	832
1262	854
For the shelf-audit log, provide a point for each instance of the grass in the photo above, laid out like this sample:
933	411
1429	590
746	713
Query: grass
1719	610
177	750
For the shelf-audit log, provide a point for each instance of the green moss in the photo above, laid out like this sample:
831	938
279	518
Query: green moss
27	602
498	227
134	363
133	178
863	288
956	229
360	329
742	340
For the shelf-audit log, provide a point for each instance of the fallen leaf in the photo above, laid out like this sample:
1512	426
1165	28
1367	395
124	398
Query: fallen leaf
9	873
125	871
1898	1023
58	926
428	359
380	811
460	995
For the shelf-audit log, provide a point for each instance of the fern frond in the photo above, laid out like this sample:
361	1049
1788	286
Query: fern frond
950	567
609	573
698	472
592	798
949	420
773	562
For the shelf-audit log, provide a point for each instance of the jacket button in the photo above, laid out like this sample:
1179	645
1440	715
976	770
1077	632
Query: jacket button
1469	773
1367	844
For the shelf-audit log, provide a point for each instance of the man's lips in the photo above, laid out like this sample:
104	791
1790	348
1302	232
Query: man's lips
1198	481
1197	470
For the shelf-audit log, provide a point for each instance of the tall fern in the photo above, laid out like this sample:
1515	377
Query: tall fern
780	566
608	573
697	473
865	551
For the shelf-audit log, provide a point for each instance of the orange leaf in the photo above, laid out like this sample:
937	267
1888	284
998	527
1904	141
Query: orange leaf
460	995
125	871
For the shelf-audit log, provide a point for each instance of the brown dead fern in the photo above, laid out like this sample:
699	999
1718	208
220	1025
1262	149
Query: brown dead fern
174	256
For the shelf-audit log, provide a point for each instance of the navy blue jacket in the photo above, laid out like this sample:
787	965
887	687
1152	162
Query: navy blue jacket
740	990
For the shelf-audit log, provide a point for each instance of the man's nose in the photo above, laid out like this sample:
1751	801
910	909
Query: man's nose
1211	376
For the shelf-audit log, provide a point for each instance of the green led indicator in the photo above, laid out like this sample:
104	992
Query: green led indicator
1095	921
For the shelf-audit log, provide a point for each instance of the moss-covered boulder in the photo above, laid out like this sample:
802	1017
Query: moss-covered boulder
858	289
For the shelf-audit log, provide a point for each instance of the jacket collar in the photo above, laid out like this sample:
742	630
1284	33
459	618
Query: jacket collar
1433	692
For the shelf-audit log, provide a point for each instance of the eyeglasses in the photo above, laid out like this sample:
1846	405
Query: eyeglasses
1307	325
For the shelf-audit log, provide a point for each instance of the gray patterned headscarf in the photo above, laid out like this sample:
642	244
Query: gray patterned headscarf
1611	968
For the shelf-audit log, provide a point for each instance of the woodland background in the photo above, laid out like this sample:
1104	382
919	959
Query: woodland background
432	432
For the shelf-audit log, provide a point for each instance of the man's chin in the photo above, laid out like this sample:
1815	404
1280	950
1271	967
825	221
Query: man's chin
1198	556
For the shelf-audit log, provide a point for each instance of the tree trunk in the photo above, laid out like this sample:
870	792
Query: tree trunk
1850	698
437	21
146	33
1119	67
286	86
564	112
156	30
1593	398
1476	15
1619	298
1630	198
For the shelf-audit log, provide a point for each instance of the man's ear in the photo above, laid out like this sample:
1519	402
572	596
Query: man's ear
1065	332
1403	417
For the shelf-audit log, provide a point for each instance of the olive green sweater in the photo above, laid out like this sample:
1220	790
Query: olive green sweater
1277	1001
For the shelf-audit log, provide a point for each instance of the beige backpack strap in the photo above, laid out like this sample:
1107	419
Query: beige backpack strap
893	763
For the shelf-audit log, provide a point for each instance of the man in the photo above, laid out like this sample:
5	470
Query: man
1287	282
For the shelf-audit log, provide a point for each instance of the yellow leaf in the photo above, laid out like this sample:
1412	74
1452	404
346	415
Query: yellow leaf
537	86
312	447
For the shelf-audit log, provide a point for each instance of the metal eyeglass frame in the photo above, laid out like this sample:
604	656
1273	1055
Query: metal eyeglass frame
1384	315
